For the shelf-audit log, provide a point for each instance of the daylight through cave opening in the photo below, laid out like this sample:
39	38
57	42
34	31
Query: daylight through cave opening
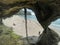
17	22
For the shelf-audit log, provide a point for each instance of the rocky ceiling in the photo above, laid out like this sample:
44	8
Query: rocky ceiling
46	10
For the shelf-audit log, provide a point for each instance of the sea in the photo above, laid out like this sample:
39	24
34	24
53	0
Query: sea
30	17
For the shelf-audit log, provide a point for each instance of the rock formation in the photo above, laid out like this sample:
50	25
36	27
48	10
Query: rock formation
46	11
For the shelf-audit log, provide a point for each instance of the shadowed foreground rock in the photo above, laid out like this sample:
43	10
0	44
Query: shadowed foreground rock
48	37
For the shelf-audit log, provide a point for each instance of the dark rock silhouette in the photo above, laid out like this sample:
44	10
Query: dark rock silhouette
46	11
48	37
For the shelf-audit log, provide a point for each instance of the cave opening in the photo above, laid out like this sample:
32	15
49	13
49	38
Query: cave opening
17	22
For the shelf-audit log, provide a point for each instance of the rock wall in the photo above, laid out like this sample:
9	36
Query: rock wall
46	11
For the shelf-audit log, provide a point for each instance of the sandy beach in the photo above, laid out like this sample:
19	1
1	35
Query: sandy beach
19	28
